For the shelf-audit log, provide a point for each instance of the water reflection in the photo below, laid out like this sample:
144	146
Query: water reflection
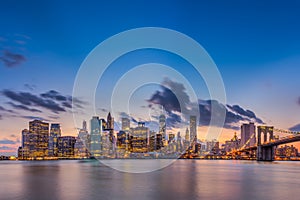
184	179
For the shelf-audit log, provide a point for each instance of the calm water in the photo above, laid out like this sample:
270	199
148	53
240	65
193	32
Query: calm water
184	179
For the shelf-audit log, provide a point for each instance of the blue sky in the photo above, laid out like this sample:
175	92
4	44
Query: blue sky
255	45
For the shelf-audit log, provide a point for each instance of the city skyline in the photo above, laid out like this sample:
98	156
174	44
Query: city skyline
43	142
256	54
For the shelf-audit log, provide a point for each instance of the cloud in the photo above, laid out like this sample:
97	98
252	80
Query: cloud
22	107
34	118
54	117
5	141
52	94
298	101
295	128
103	110
125	115
241	114
51	100
29	99
7	148
30	87
170	91
6	110
169	96
1	117
11	59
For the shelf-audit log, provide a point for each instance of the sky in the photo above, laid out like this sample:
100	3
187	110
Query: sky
254	44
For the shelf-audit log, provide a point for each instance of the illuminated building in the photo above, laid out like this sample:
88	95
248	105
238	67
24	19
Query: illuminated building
121	140
110	128
38	138
232	144
159	142
140	139
152	142
23	151
179	143
187	135
95	137
212	146
66	146
247	130
162	126
125	124
171	137
110	122
193	128
82	144
55	132
287	151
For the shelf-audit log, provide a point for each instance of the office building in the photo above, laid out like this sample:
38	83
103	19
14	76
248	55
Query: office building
248	134
125	124
55	133
66	146
140	138
95	136
39	138
162	126
193	128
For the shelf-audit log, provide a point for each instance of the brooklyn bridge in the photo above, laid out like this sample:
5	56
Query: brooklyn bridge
263	144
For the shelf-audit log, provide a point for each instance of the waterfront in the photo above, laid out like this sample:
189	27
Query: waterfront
184	179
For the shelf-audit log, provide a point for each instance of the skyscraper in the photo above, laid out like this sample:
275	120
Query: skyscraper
39	138
55	132
96	131
125	124
24	149
84	126
84	135
162	126
193	128
140	139
187	135
247	132
110	121
66	146
82	144
25	138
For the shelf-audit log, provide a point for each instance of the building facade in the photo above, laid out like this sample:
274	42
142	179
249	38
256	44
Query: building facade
95	137
193	128
55	133
248	134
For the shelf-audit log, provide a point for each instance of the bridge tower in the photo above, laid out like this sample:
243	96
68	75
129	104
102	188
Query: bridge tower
265	152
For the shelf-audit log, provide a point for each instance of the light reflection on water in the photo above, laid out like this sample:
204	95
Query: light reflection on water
184	179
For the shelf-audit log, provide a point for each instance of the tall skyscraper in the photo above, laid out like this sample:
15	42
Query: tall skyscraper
23	152
55	132
248	130
187	135
95	137
179	143
84	137
125	124
110	121
193	128
39	138
25	138
84	126
162	126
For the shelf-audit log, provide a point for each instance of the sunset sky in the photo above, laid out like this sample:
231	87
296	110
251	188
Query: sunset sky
254	44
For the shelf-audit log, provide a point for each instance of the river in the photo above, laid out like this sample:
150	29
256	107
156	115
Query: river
183	179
